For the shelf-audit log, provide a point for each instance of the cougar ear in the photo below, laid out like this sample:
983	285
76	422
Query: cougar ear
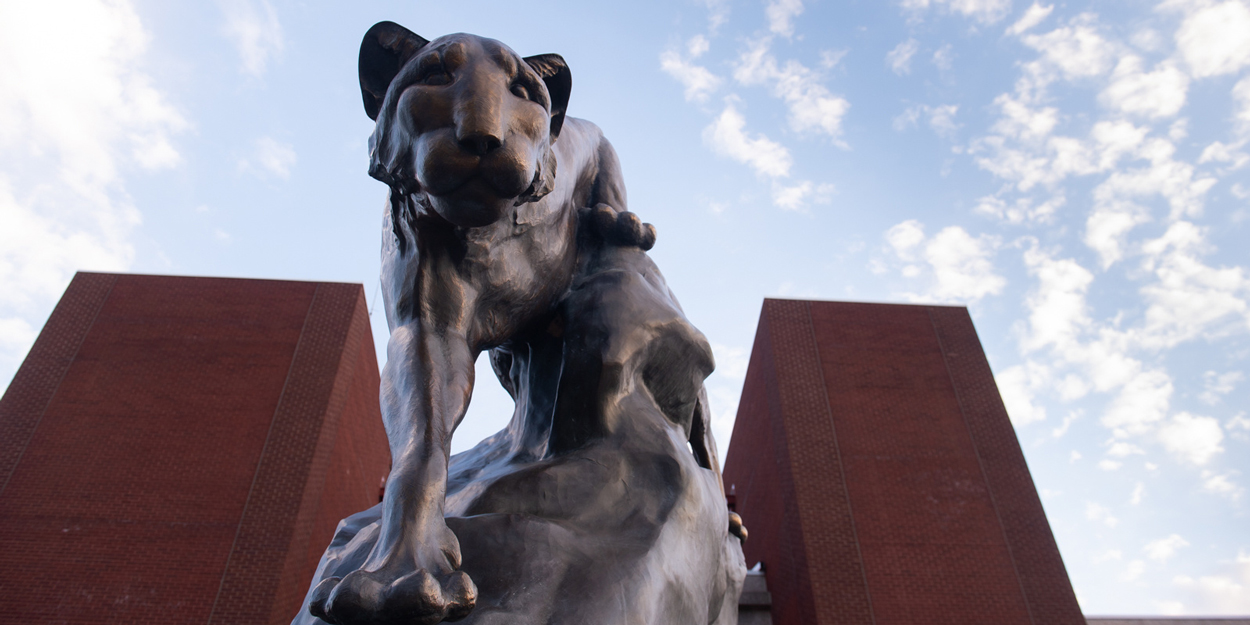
555	72
386	48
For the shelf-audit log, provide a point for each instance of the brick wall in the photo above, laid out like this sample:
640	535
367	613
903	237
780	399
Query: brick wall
877	471
172	449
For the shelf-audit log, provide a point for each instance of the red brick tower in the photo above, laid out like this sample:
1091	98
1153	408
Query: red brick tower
880	478
179	450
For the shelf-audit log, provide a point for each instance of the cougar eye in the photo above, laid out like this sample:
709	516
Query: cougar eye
433	72
437	77
520	91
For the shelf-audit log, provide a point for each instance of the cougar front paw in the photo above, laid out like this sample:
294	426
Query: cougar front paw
417	598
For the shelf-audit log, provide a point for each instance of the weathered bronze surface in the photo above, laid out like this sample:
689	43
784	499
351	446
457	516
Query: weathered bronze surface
506	230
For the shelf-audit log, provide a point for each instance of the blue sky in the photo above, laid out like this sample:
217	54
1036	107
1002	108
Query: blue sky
1075	173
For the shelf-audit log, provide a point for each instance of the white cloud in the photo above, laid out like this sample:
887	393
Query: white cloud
1227	593
1189	298
731	361
1221	484
698	46
65	146
961	264
1141	403
829	59
1241	94
1156	94
812	107
1139	493
16	337
1109	225
798	196
984	11
1020	121
269	157
1072	387
1024	151
1170	608
1218	384
1068	420
1238	422
1192	438
252	25
958	264
899	59
1018	386
697	80
1134	570
1147	39
1032	17
1109	555
1057	308
727	136
1023	210
1121	449
944	58
1101	514
717	14
15	334
1163	549
908	118
1220	152
1076	50
941	118
1074	456
1110	465
781	14
1215	39
905	237
1116	211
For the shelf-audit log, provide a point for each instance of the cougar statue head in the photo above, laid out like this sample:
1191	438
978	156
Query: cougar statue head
464	124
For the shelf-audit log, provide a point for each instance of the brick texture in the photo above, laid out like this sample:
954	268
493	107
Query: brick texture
184	460
876	431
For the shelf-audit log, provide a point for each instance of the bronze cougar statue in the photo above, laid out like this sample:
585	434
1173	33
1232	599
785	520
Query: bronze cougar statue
506	230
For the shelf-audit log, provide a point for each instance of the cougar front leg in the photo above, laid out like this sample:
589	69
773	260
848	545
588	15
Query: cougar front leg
412	575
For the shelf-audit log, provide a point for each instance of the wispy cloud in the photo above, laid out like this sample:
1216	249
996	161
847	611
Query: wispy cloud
728	137
955	265
1216	385
1163	549
1224	592
899	58
1100	514
698	80
781	14
1212	40
940	118
983	11
253	27
269	158
1194	439
1033	16
66	147
812	107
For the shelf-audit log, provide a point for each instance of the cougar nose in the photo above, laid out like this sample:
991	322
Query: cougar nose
479	143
